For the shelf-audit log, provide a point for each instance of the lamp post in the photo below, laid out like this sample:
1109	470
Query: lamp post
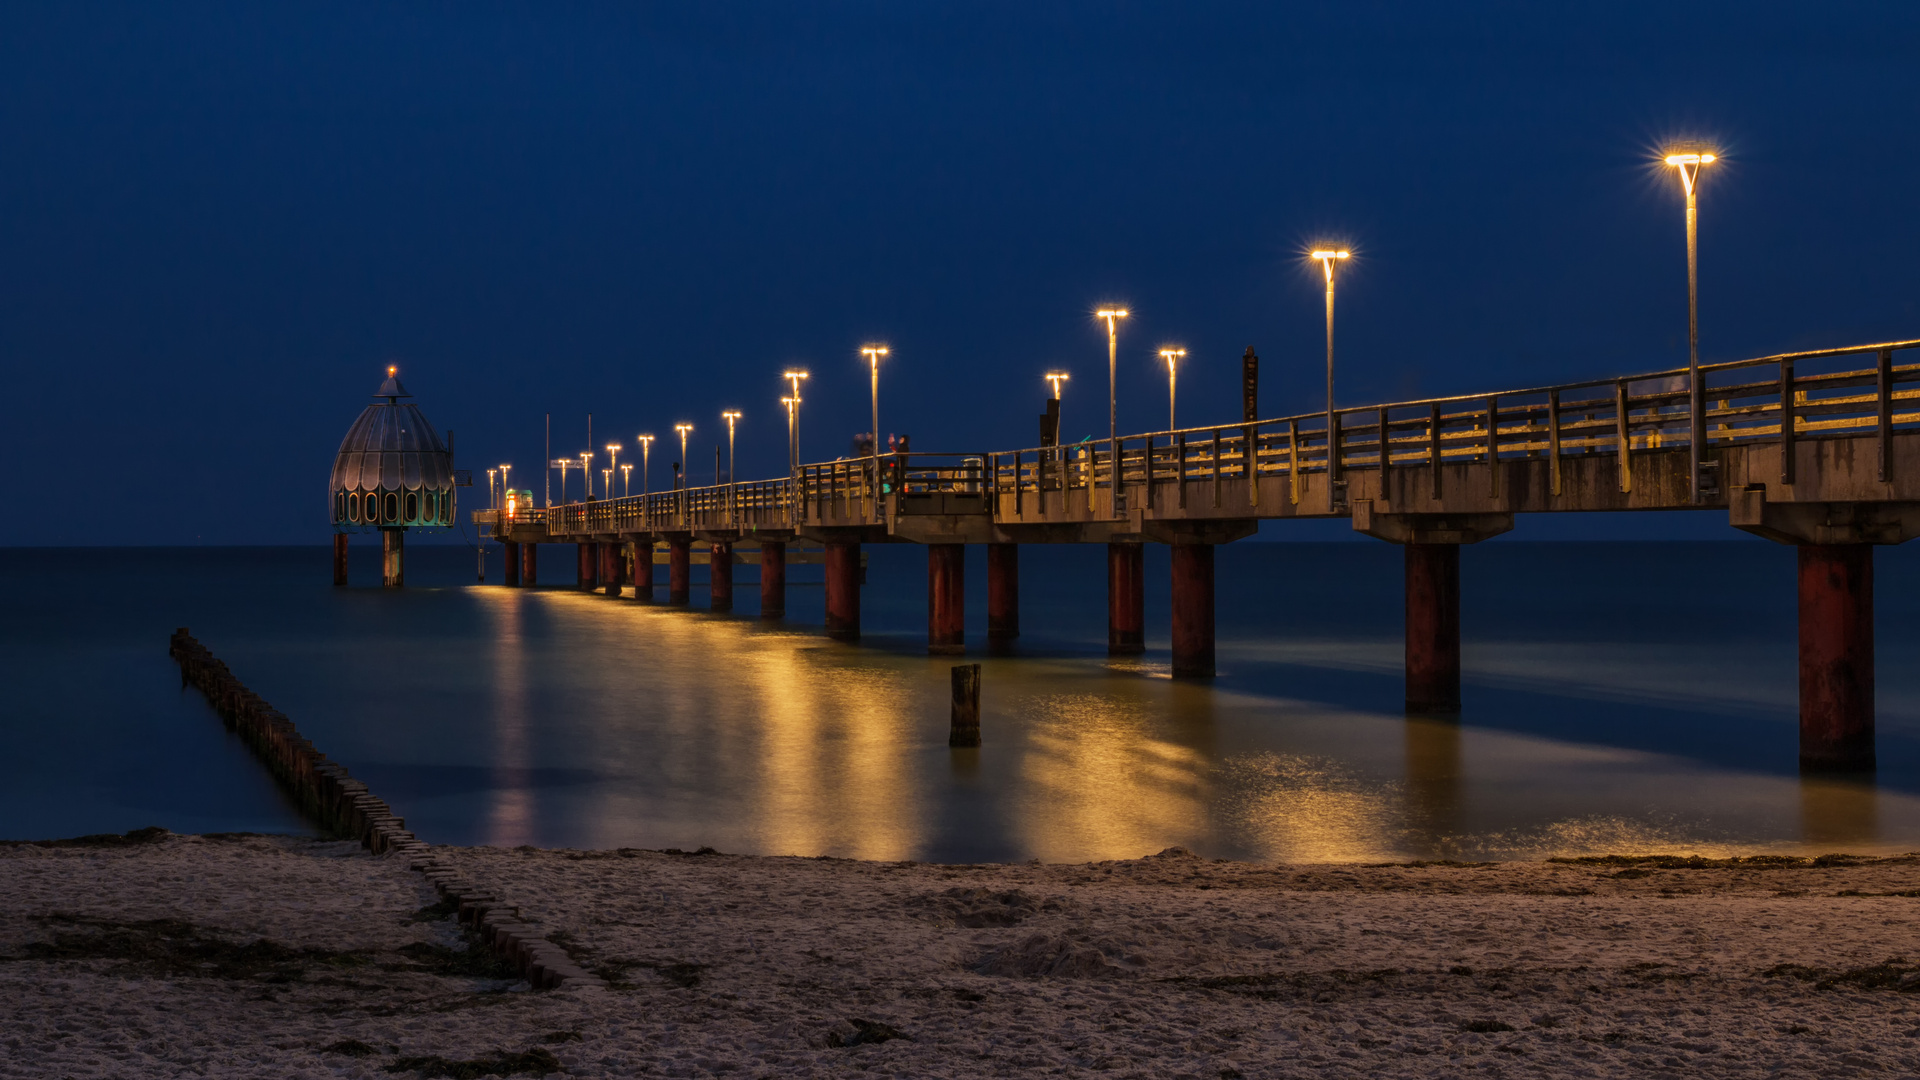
493	491
1328	259
1056	378
873	353
504	470
730	416
613	462
606	481
683	429
1171	355
793	452
586	470
1689	163
1113	364
646	460
626	479
563	464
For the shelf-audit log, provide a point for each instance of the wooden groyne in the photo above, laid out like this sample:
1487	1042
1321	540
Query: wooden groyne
343	806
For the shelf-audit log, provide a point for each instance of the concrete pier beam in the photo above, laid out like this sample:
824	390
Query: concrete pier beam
587	568
1433	628
1193	610
773	579
393	558
720	577
339	558
643	570
843	591
679	570
1003	595
946	599
1126	601
1836	657
529	564
611	568
510	569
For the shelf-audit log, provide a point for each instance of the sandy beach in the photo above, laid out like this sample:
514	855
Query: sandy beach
283	957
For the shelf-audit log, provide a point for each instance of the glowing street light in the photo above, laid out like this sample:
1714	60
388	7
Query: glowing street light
606	482
586	470
626	479
1056	378
613	462
1689	163
504	470
563	464
793	434
1113	365
1328	259
873	353
493	490
730	416
685	471
646	460
1170	356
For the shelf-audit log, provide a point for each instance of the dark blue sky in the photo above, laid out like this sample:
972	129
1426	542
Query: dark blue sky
219	221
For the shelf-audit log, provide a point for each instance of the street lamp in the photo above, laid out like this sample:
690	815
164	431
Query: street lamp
685	471
1328	259
606	482
613	462
1056	378
873	353
1113	361
1171	355
626	479
646	460
793	438
586	472
563	464
730	417
504	470
493	491
1689	164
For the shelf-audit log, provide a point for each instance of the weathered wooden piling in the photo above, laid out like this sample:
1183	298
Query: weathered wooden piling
339	558
1126	601
1193	610
773	579
966	706
1836	657
843	590
1003	595
679	570
720	577
946	599
1433	628
343	806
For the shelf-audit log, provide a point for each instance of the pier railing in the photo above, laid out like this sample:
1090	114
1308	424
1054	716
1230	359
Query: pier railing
1784	398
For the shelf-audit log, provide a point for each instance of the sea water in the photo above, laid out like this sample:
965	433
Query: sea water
1618	697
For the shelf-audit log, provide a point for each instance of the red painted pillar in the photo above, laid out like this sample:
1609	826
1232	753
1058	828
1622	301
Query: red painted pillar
1003	595
510	572
529	564
1193	610
393	558
1126	611
610	576
339	558
773	579
946	599
720	577
843	591
1836	657
585	570
1433	628
679	570
643	569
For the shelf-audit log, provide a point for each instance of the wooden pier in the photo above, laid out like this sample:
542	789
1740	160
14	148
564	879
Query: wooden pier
1818	449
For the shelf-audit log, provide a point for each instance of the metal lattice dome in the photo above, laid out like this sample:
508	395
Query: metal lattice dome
392	470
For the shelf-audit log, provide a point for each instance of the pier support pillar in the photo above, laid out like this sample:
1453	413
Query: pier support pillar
720	577
946	599
510	569
843	591
1126	611
529	564
393	558
339	558
586	568
1836	657
1433	628
611	565
1192	610
643	570
679	571
773	579
1003	596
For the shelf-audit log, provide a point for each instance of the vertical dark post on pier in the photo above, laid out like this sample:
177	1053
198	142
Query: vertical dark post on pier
843	591
720	577
679	570
965	728
1003	595
529	564
339	558
393	558
1836	657
1433	628
1193	610
643	569
773	579
585	568
946	599
510	575
1126	610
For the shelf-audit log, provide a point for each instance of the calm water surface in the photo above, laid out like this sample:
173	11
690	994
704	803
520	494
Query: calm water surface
1618	696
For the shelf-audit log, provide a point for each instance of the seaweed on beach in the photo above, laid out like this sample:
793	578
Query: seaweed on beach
174	947
537	1061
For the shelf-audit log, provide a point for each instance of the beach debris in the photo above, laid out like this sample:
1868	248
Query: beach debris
865	1032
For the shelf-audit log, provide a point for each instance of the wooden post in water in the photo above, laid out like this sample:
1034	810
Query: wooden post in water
720	577
339	558
773	579
966	706
1126	612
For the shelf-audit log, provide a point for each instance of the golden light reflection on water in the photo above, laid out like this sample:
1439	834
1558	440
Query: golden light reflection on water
1839	813
510	810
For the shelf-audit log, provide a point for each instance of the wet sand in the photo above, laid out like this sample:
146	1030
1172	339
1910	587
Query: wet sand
274	956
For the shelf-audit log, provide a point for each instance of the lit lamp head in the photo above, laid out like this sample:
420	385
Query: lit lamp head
1689	163
730	416
873	353
1110	314
1171	355
1056	378
646	442
794	377
1327	257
